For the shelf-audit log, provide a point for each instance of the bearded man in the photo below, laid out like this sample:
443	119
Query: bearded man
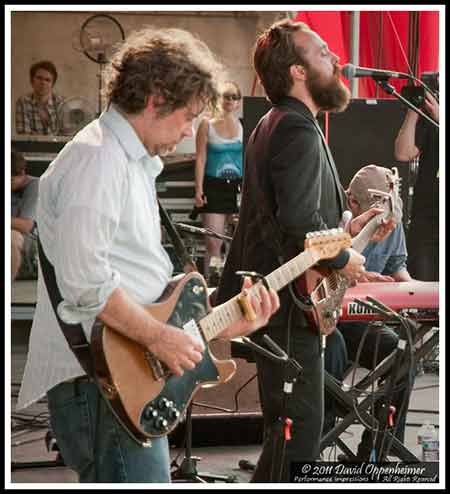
291	187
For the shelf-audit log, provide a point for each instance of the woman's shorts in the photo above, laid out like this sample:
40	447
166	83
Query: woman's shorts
221	195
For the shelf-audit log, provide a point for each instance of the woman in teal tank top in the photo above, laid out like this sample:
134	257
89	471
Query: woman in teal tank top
218	168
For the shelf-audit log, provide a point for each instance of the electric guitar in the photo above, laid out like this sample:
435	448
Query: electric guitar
145	396
326	287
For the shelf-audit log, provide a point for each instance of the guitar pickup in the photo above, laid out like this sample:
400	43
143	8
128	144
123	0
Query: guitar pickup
191	327
159	371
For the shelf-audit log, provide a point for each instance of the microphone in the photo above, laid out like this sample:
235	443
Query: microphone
349	71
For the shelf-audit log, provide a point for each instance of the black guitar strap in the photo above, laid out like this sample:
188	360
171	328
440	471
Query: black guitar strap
73	333
180	249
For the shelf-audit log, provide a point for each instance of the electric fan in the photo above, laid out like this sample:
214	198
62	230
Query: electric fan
99	36
73	114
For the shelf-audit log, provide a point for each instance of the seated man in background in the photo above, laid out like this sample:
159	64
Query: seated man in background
385	262
24	195
36	113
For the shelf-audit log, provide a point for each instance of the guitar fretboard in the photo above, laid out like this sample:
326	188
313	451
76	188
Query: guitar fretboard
360	242
230	312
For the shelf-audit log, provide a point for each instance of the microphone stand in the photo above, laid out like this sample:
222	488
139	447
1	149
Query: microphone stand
394	378
201	231
280	433
388	88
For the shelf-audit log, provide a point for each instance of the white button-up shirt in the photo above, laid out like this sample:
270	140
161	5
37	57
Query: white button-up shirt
99	226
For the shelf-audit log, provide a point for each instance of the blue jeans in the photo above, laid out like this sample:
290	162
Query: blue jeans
97	447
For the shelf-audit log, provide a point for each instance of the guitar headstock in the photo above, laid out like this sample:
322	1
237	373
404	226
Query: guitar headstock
327	244
382	200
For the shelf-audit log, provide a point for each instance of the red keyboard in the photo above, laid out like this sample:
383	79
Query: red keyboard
416	299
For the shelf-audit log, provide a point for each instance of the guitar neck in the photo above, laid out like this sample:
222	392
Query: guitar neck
230	312
360	242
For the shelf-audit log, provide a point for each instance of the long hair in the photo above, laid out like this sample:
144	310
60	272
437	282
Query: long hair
274	52
171	64
216	110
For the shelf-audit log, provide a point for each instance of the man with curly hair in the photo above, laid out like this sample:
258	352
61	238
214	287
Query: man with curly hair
99	227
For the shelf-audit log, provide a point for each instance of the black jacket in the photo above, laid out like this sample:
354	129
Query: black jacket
288	177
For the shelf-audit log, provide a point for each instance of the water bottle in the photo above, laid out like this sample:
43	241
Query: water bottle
430	450
428	439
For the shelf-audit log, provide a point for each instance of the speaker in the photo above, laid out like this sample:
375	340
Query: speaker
363	134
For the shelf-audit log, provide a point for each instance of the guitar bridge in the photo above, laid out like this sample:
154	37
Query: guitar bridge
159	370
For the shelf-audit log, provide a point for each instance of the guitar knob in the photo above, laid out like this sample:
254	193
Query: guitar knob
174	413
150	412
163	403
161	423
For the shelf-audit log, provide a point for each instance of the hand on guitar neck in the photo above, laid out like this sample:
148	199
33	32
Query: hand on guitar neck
385	227
264	304
354	269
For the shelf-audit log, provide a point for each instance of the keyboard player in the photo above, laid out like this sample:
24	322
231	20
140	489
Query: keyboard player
385	262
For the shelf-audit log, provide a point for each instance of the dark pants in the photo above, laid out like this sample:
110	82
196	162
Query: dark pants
304	406
342	345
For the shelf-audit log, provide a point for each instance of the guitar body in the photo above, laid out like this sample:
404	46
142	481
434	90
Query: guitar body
326	289
147	399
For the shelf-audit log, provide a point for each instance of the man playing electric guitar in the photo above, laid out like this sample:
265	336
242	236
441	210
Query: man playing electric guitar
291	187
99	227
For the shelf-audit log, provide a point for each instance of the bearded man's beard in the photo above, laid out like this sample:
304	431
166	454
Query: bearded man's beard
328	94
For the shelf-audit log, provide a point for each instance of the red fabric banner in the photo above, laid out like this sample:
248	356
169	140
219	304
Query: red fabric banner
383	42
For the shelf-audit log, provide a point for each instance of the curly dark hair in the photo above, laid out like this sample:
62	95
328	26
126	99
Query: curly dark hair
45	65
171	64
274	52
